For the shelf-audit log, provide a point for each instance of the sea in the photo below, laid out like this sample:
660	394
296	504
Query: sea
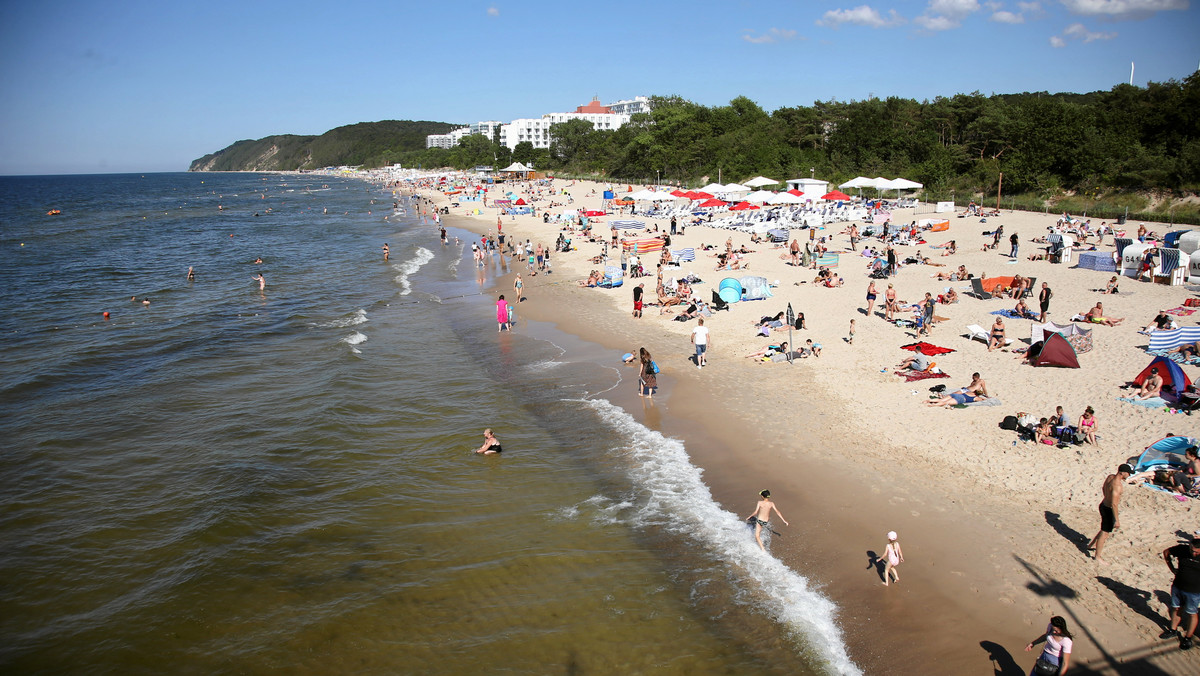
199	476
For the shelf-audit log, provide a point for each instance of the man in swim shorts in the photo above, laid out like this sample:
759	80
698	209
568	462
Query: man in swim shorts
638	291
761	518
1113	486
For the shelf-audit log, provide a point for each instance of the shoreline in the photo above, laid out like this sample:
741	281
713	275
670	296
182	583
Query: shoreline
948	588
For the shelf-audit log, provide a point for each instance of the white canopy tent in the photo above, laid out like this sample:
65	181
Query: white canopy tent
859	182
516	166
649	196
760	181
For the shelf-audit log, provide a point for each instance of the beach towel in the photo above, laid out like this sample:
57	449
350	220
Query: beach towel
914	376
926	348
1152	402
1175	357
1010	314
1180	311
990	401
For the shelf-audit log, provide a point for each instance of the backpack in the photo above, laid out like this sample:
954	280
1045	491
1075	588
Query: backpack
654	367
1009	423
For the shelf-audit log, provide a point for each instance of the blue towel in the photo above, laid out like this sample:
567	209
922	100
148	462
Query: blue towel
1152	402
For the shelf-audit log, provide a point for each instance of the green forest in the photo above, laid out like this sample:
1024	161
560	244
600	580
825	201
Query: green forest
1135	148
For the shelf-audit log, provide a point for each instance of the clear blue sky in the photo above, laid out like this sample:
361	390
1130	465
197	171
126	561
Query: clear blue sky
149	86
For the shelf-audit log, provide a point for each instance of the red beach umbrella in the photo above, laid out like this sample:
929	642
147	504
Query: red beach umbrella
703	196
712	203
678	193
742	206
795	192
520	202
835	195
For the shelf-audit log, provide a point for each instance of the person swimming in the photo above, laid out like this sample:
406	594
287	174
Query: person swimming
491	445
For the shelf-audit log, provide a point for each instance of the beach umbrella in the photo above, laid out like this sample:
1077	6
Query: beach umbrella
714	202
760	181
679	193
735	187
859	182
785	198
520	202
795	192
760	196
742	206
713	187
835	195
643	196
704	196
627	225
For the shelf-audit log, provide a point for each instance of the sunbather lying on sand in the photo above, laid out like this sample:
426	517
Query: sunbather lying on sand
1096	316
769	350
975	391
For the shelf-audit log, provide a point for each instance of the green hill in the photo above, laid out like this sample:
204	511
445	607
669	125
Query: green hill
365	143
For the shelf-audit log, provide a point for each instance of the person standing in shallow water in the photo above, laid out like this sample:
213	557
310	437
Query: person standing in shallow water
892	557
761	518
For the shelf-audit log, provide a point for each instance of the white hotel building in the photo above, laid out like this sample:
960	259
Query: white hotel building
537	130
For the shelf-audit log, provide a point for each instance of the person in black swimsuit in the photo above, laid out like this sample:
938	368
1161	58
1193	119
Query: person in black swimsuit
491	445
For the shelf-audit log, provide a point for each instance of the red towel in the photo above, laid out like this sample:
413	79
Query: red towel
926	348
912	376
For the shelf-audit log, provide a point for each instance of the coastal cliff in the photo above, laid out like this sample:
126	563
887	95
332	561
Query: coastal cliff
365	143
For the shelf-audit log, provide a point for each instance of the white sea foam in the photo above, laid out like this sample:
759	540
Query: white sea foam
672	495
409	267
359	317
353	339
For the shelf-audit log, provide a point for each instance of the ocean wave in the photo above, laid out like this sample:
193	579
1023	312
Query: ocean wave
359	317
409	267
674	497
353	339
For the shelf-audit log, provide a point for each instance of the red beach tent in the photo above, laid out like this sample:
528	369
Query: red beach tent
520	202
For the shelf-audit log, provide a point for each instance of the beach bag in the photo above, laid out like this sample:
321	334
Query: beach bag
1009	423
1044	667
654	367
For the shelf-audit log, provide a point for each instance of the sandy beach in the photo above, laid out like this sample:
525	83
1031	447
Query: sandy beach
994	529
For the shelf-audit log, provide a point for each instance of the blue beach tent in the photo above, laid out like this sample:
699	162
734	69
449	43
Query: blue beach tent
1163	453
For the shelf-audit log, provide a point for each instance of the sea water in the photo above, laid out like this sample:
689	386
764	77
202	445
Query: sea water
228	479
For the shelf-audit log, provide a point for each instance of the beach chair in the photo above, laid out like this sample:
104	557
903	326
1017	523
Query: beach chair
975	331
718	303
977	289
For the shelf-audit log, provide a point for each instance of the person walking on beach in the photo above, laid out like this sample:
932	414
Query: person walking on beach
761	518
889	306
892	557
502	313
518	285
850	338
700	339
891	261
648	375
1185	590
1044	297
1110	520
1056	656
638	291
872	294
1015	241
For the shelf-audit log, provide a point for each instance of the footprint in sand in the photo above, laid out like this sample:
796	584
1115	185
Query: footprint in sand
915	513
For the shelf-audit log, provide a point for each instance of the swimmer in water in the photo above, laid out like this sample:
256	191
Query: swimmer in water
262	281
258	261
386	251
191	274
761	518
491	445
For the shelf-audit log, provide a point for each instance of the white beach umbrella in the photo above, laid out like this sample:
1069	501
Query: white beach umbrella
759	196
736	187
663	197
859	182
785	198
645	196
760	181
905	184
713	188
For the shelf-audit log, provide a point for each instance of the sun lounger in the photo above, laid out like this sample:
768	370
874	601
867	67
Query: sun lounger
975	331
